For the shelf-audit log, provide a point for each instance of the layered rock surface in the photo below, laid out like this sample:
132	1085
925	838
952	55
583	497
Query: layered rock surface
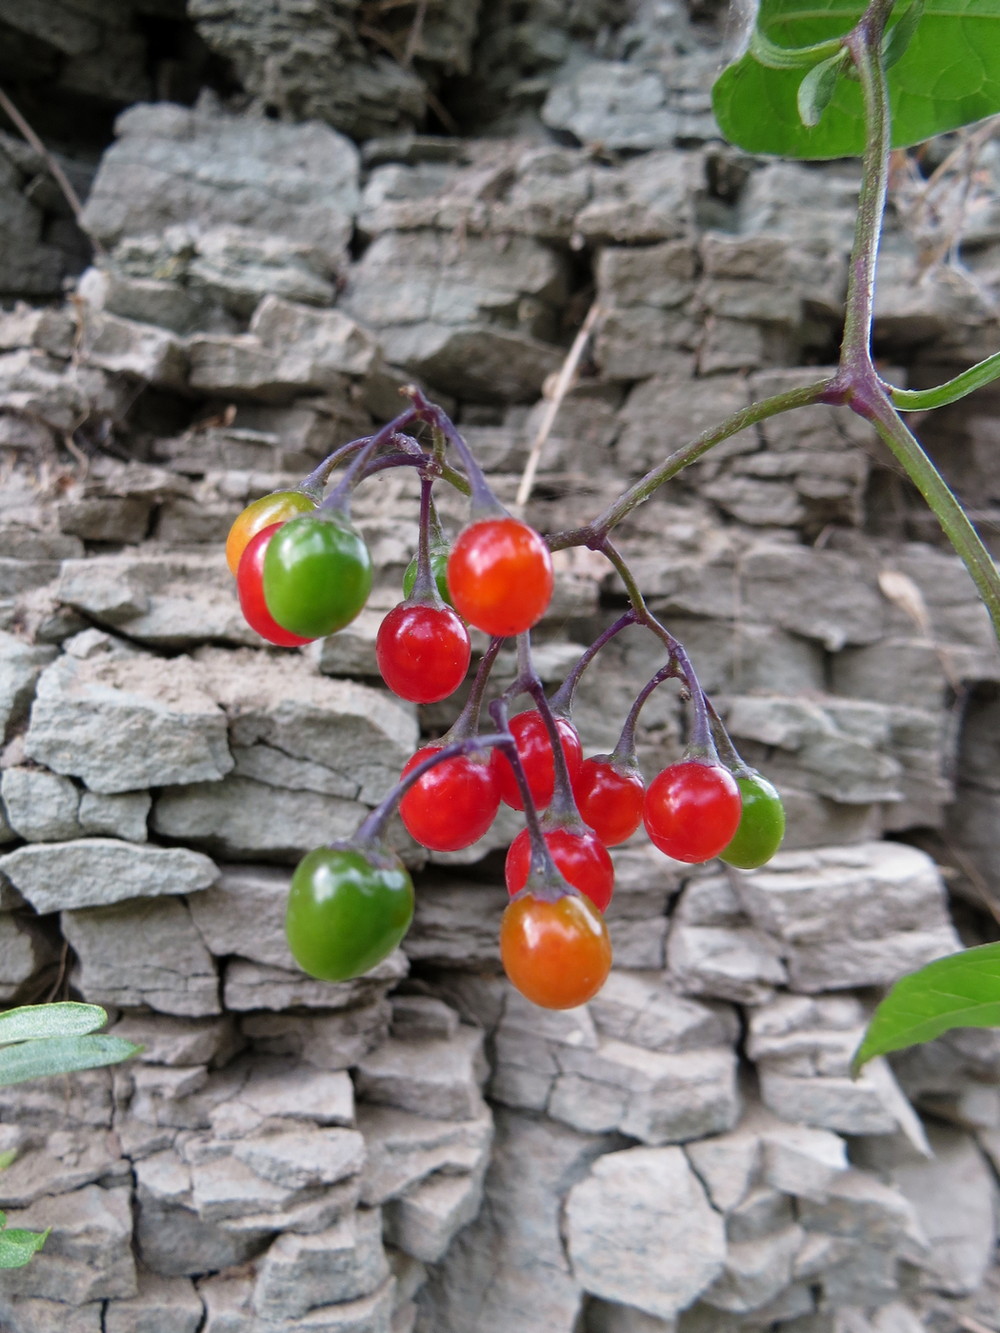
420	1150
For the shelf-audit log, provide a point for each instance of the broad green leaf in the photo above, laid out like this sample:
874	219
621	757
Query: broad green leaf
960	991
948	75
67	1019
61	1055
17	1247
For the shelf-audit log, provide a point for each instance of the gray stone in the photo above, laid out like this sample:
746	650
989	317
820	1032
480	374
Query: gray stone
851	916
667	1098
228	1306
172	1240
714	950
325	1041
167	601
303	1156
508	1269
238	817
170	1040
125	347
424	1221
641	1008
295	720
614	104
249	986
418	1016
171	164
20	666
803	1050
953	1197
403	1149
122	723
310	61
40	1316
244	913
299	1273
24	950
455	924
174	974
67	1160
281	1089
41	806
641	1231
161	1303
756	1271
92	872
440	1079
116	816
88	1256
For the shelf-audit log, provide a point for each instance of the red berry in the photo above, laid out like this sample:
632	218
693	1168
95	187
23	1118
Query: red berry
609	798
500	576
533	745
453	804
422	652
250	589
692	810
580	856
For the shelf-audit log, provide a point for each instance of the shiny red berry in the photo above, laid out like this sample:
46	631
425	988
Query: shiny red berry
609	797
692	810
533	745
579	855
453	804
422	652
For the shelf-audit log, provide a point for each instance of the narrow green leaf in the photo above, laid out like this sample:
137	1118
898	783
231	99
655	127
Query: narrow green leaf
946	74
960	991
817	89
67	1019
61	1055
899	36
17	1247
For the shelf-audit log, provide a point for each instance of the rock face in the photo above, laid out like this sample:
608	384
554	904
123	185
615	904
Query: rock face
420	1150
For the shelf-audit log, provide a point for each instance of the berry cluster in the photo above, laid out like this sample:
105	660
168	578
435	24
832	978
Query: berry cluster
303	571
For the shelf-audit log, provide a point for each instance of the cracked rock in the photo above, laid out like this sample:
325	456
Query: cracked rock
641	1231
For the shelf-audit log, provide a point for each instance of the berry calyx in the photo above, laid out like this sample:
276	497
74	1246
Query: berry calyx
439	568
317	574
500	576
453	804
609	797
535	750
557	953
692	810
422	652
761	827
277	507
580	857
249	589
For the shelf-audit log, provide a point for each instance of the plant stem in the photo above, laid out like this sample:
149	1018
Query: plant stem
918	400
950	514
594	533
865	46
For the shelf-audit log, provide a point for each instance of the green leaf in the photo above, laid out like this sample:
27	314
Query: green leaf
817	88
6	1159
61	1055
960	991
67	1019
948	75
17	1247
898	38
